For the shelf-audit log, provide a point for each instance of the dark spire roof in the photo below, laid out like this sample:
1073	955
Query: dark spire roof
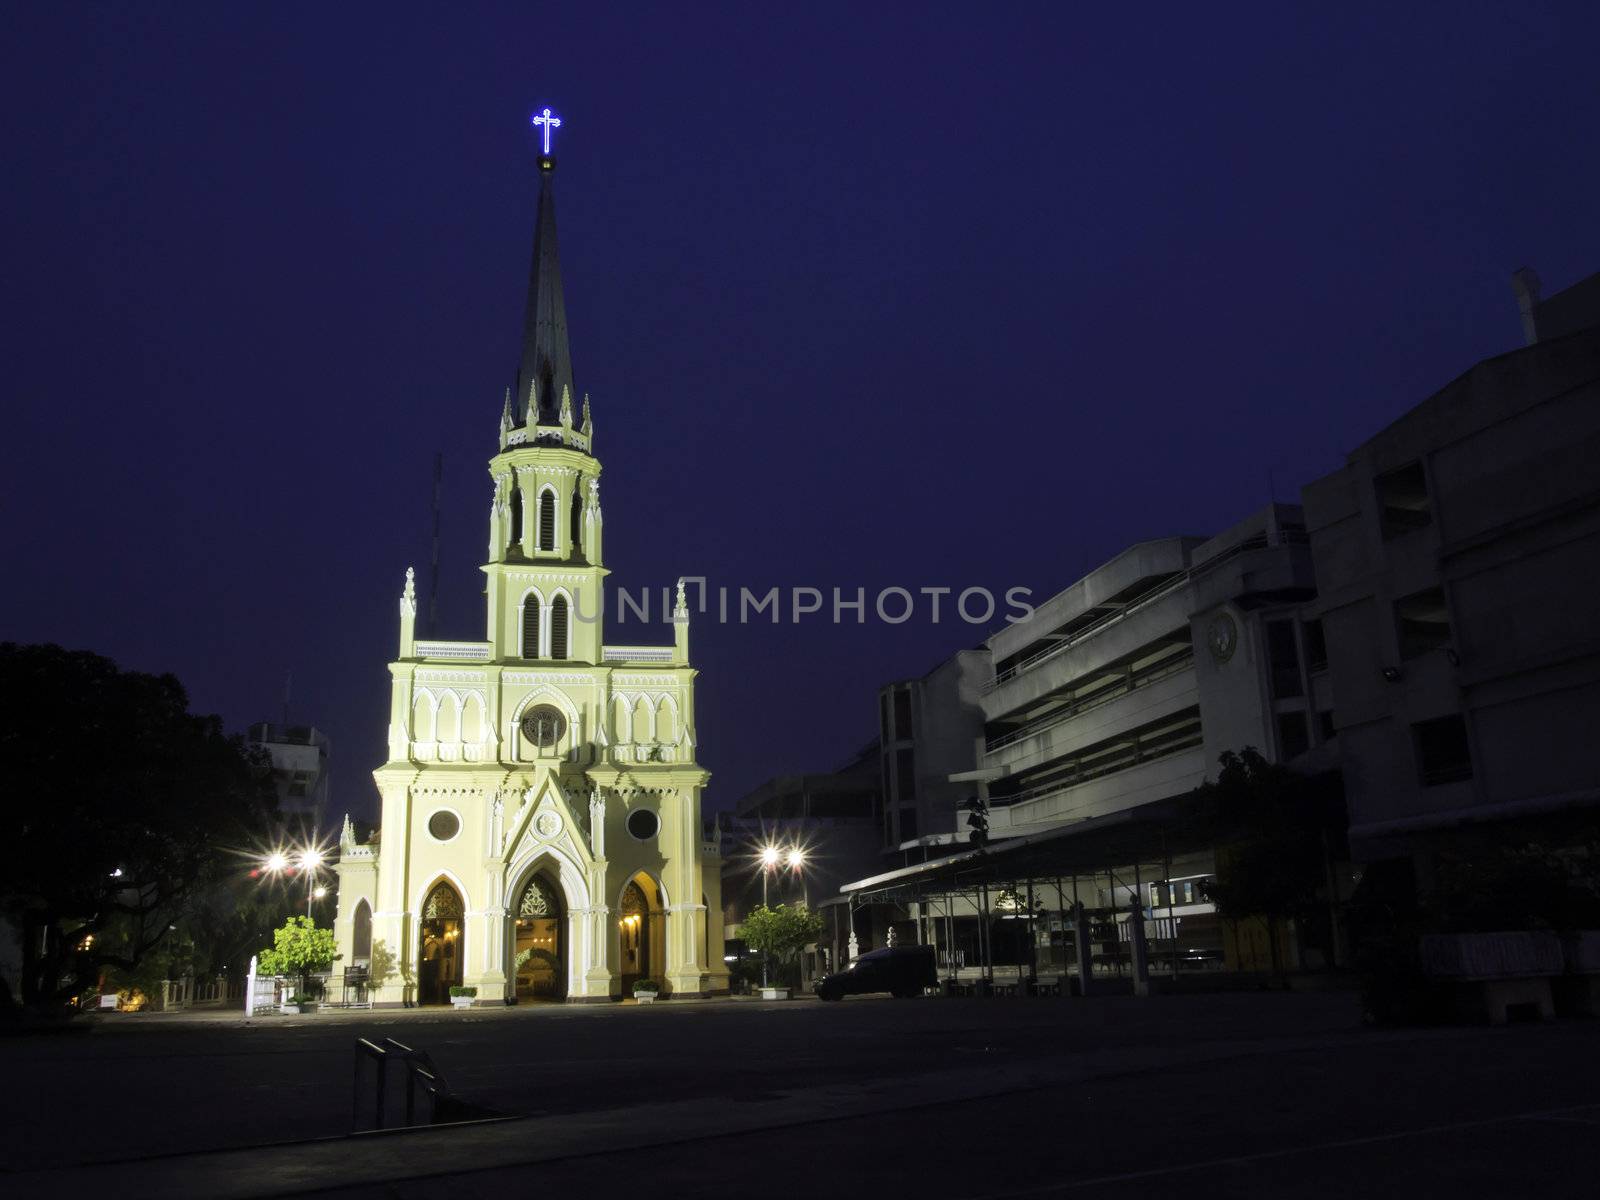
546	359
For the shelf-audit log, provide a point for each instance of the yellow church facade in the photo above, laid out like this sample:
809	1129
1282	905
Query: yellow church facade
540	835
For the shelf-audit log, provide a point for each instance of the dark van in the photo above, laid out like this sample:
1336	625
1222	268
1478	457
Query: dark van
901	970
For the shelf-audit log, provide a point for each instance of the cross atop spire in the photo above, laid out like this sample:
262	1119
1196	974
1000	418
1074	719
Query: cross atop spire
548	122
545	368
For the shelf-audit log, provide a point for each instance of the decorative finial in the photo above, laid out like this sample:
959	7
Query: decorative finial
680	610
566	406
411	583
533	403
588	425
545	122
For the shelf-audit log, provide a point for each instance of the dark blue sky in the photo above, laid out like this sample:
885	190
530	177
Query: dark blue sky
917	295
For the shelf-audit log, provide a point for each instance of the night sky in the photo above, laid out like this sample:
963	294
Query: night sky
917	296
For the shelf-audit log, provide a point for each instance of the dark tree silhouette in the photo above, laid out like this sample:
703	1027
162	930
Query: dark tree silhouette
1275	831
119	806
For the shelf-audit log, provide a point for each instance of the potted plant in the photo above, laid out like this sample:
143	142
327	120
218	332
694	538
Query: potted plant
462	997
645	991
303	1002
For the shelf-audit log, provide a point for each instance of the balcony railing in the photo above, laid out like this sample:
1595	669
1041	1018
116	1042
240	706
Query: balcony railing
1143	678
638	654
1088	631
459	651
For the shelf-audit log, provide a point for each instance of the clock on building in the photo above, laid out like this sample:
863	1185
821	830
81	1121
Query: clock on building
543	725
1222	637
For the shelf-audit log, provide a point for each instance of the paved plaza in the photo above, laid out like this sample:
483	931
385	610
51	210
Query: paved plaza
1221	1095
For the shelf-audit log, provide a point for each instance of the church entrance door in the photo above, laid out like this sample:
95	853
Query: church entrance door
641	933
439	963
540	962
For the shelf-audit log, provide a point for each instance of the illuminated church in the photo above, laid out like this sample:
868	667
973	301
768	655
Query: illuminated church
541	835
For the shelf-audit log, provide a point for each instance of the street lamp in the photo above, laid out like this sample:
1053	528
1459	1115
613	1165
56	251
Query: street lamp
310	859
769	859
307	859
796	863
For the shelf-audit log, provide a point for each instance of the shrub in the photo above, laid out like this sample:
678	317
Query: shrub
646	985
457	990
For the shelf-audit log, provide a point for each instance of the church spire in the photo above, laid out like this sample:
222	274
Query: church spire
546	367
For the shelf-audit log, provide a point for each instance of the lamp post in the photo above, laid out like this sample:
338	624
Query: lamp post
796	862
310	860
769	859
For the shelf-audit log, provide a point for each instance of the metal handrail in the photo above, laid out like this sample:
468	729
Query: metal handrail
420	1073
1088	631
1258	541
1139	679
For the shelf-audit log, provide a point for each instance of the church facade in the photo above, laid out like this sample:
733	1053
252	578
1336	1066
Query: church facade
541	833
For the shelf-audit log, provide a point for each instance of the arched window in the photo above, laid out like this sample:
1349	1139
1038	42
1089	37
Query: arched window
530	626
449	727
422	718
575	542
547	520
516	518
361	933
558	627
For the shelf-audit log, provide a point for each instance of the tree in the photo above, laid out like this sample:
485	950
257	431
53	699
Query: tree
120	807
781	932
298	948
1273	830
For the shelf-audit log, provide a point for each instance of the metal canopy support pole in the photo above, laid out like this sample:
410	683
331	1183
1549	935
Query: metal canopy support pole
1080	941
986	935
1172	921
1033	943
1139	953
1136	946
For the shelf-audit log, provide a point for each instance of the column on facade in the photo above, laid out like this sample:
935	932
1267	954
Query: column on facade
392	925
685	971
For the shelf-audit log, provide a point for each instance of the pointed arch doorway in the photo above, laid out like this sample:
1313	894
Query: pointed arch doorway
539	953
642	933
442	953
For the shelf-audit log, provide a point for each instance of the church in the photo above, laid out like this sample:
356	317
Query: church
540	836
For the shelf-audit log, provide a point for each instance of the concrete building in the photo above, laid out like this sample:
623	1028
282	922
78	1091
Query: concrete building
1095	720
299	756
1456	554
1127	686
929	729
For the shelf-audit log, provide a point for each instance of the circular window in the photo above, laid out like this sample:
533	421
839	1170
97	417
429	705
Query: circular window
643	824
444	825
543	725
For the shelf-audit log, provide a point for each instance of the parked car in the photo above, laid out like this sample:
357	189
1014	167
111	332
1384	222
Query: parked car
901	970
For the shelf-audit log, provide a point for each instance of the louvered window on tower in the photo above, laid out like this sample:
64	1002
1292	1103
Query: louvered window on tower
516	517
576	540
530	627
547	520
558	627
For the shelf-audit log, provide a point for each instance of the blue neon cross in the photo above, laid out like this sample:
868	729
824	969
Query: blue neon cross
549	123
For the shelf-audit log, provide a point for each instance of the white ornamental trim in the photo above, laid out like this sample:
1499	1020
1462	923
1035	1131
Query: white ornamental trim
534	678
469	651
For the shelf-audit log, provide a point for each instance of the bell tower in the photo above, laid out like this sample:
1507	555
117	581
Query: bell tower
545	569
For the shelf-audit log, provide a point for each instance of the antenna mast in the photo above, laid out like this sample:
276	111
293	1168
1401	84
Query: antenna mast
433	579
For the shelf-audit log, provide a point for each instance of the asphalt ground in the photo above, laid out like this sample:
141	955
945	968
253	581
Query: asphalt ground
1226	1095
